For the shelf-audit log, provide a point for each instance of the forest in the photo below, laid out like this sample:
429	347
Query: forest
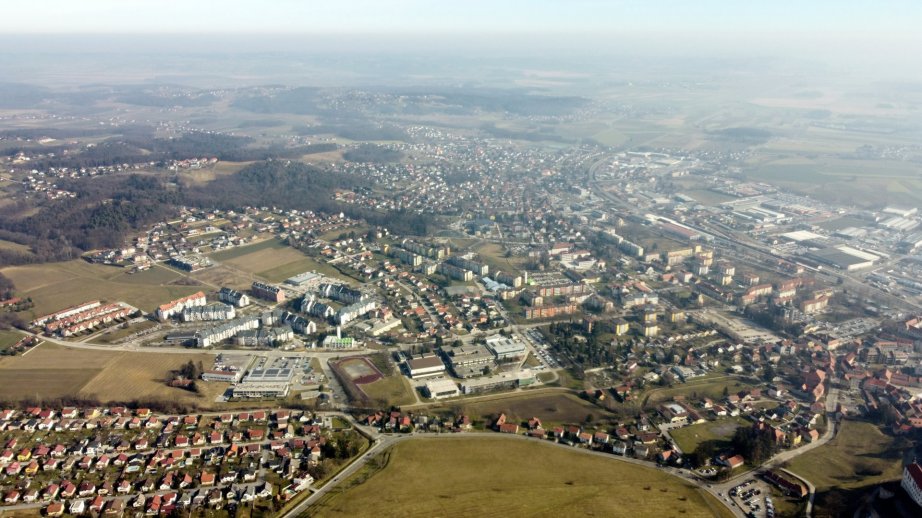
108	208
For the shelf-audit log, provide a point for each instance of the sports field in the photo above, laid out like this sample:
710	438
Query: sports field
486	476
50	371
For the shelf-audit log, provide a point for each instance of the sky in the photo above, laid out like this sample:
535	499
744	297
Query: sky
881	18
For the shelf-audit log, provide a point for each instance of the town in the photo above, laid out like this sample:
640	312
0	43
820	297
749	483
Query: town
607	290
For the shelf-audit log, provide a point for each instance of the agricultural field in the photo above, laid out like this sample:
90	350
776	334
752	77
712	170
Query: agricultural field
852	182
240	251
505	476
55	286
50	371
689	437
860	456
270	259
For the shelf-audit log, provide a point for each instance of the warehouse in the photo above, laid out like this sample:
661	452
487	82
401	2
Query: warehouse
844	258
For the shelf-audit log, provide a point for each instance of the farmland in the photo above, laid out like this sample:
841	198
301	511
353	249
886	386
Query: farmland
50	371
270	259
55	286
510	477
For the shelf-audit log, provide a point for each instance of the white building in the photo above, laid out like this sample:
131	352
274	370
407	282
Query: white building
506	348
912	482
442	388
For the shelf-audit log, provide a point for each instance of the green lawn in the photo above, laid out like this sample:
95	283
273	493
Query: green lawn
503	476
689	437
8	338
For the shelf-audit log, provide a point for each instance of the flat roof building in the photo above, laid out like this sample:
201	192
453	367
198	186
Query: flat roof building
425	366
441	388
506	348
304	279
498	381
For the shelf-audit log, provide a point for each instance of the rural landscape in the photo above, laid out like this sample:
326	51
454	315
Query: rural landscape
582	260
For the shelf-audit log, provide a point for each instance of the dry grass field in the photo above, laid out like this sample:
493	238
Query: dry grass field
551	407
266	259
468	476
860	455
55	286
50	371
393	390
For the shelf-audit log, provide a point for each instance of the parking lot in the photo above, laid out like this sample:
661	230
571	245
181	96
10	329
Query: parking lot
753	496
541	348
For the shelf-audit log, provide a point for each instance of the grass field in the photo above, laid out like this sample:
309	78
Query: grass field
271	260
465	476
300	264
55	286
240	251
50	371
8	338
551	407
709	386
860	455
494	255
689	437
15	247
394	390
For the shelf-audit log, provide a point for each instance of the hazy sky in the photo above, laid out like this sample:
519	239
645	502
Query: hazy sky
882	18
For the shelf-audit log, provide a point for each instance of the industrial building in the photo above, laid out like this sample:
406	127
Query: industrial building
844	257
